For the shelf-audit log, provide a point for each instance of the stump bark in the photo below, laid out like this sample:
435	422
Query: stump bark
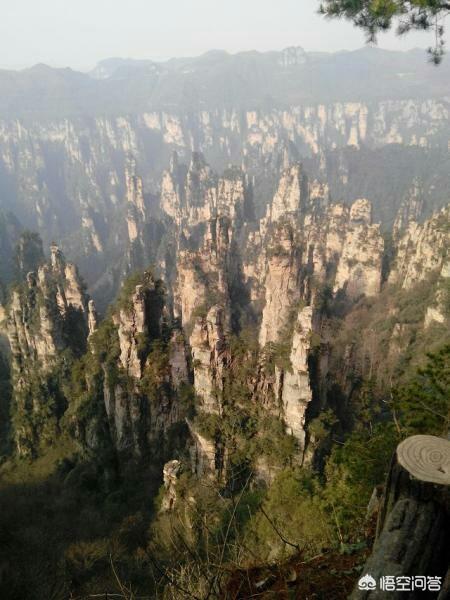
413	532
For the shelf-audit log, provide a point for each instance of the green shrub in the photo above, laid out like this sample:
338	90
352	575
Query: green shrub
291	519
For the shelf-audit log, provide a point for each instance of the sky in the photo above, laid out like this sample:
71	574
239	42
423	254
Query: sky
79	33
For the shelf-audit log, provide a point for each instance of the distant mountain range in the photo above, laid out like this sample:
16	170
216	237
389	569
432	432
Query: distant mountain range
217	79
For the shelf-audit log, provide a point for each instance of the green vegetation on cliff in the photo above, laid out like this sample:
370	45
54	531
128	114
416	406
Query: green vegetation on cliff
90	515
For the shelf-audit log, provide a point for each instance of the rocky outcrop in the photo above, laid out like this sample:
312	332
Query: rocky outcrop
303	242
92	317
439	311
96	186
208	212
138	320
171	201
292	192
132	327
225	269
9	237
171	471
177	359
281	232
284	261
191	287
203	274
46	314
47	324
312	242
200	193
282	283
410	210
360	262
416	256
28	346
136	215
197	195
210	357
296	391
142	378
206	457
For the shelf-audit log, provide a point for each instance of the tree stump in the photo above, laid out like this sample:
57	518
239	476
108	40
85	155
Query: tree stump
413	532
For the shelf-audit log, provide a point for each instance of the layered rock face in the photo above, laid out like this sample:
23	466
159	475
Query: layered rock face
422	250
207	213
203	303
225	268
132	322
277	263
423	255
280	235
303	245
93	202
206	459
9	236
359	266
292	191
43	314
296	392
310	243
170	475
281	284
210	356
196	195
47	318
135	203
310	238
438	311
140	385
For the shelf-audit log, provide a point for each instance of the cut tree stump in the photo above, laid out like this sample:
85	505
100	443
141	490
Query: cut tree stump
413	531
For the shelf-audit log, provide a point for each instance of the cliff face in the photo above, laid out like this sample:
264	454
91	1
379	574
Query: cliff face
312	239
48	317
284	263
210	356
132	323
136	209
262	331
281	283
291	194
92	201
227	269
296	391
208	213
421	250
437	312
359	266
141	380
43	312
309	243
196	195
9	237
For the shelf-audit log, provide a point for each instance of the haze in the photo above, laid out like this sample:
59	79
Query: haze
78	34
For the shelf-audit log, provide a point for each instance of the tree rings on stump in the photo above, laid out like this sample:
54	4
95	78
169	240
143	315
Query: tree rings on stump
426	458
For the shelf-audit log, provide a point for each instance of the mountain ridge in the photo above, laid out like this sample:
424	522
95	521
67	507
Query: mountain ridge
218	79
